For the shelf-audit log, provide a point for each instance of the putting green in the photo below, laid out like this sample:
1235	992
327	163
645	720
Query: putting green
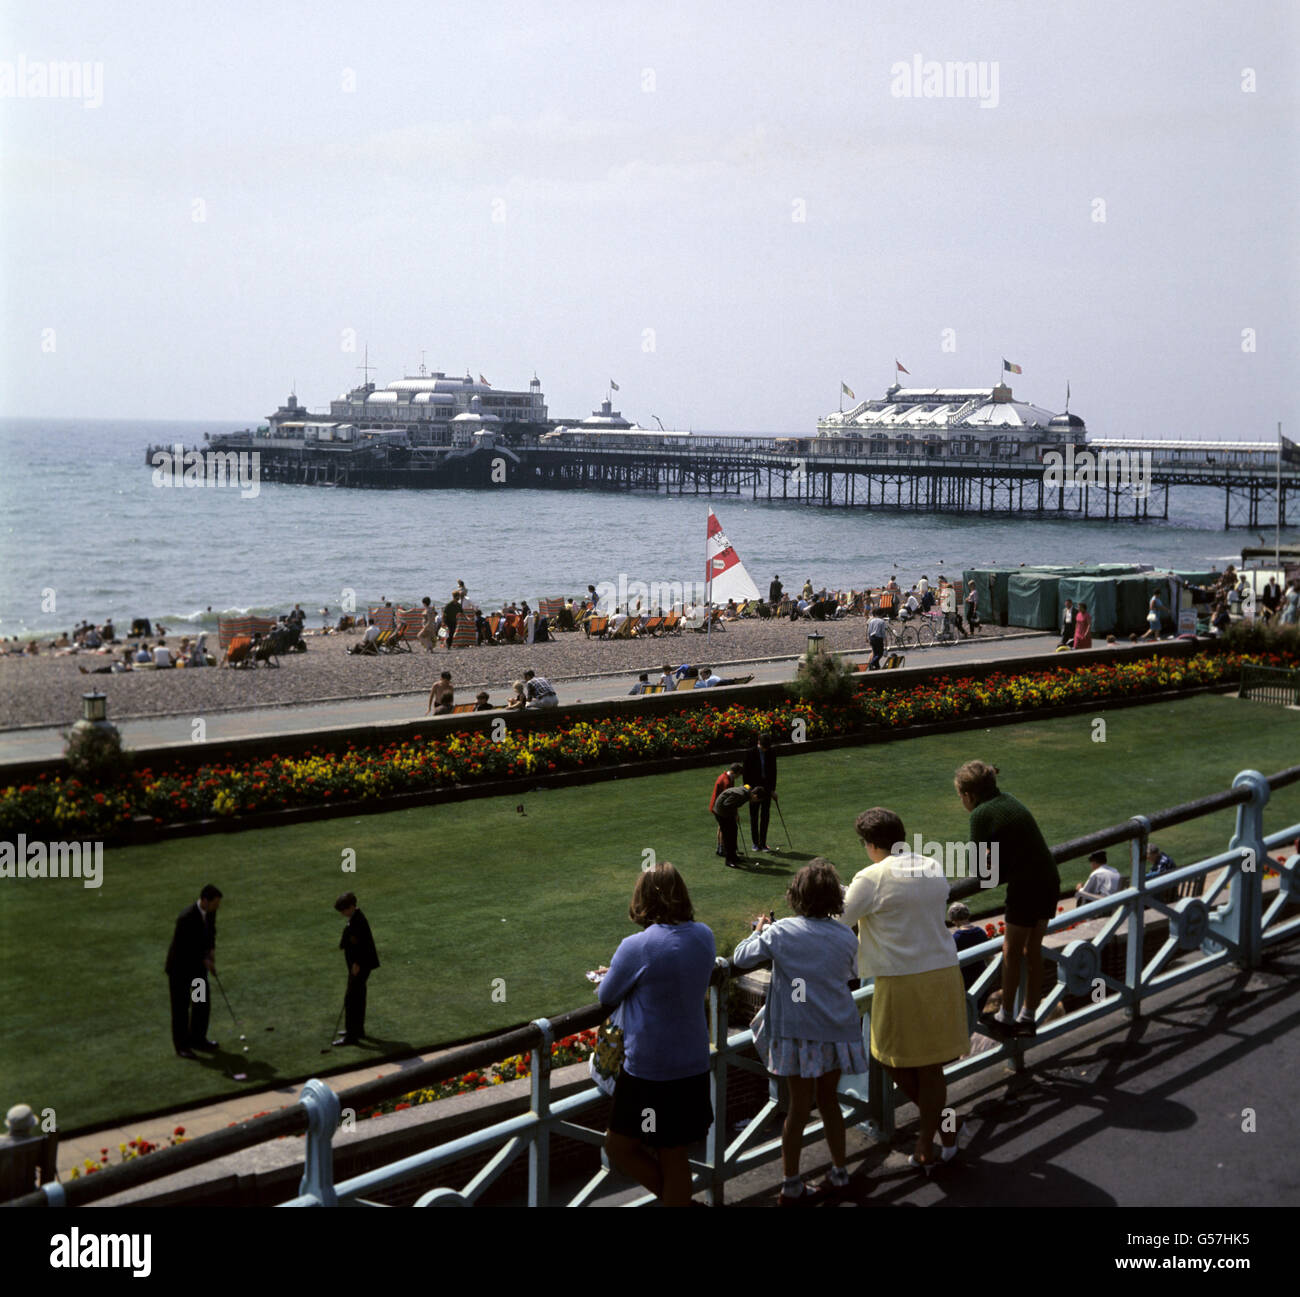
485	917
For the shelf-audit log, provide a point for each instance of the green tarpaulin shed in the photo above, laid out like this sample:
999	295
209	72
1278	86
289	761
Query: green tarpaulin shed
1032	600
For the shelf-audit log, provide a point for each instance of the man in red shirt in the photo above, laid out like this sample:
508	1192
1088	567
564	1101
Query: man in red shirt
729	778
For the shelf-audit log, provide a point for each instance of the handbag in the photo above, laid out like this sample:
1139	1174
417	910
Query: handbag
606	1060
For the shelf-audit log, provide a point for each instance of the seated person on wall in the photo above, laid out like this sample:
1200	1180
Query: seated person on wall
538	691
519	699
481	703
441	696
641	682
1102	882
1158	862
965	934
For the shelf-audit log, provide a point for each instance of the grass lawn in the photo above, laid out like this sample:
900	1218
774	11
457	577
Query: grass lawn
485	917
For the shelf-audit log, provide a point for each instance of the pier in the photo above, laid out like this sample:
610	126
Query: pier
822	471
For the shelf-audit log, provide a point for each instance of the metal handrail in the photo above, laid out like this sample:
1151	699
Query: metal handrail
1235	931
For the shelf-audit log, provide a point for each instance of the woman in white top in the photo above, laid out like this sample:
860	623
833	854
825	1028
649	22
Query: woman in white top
918	1011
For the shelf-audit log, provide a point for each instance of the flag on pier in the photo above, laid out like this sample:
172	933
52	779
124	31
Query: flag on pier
1288	452
724	573
1009	368
484	381
847	390
613	385
898	366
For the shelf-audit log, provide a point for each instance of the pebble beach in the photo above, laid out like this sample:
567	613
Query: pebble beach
45	689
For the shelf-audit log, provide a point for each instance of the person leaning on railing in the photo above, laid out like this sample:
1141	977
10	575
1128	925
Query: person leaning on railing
660	977
918	1010
1027	866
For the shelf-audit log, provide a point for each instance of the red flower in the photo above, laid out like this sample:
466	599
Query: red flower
180	1130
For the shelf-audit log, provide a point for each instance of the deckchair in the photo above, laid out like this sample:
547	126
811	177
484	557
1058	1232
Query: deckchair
466	628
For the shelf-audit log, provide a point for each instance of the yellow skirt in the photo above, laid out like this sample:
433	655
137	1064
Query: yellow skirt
919	1019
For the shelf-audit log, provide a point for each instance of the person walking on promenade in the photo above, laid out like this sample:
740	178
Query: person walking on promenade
1024	862
760	774
809	1031
1068	616
877	628
948	608
1082	628
658	978
190	958
361	958
918	1010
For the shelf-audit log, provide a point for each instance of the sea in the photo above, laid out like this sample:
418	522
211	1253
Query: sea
87	535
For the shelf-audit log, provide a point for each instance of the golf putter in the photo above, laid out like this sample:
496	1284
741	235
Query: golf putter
337	1022
788	843
242	1037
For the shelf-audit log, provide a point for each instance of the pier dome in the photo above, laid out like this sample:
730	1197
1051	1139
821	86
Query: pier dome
1065	421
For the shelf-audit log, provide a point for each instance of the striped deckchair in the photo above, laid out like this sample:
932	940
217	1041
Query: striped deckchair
231	628
596	627
652	627
672	624
408	627
466	628
383	617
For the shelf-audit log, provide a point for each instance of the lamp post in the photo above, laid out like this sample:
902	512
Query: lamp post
94	716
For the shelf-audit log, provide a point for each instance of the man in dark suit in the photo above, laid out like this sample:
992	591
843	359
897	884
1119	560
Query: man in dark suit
358	947
760	773
774	591
190	957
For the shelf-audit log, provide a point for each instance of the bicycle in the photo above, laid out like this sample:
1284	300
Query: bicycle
907	632
945	631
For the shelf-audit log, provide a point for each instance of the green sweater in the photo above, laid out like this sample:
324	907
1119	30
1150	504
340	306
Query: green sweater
1023	854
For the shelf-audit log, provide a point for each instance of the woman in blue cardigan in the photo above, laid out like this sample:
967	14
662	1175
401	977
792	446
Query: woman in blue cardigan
810	1029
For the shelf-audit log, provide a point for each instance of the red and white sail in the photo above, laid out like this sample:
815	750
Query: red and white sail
724	572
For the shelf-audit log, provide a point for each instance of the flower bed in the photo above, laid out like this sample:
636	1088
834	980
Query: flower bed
66	806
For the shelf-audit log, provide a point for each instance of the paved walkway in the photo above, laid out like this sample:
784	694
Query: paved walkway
309	718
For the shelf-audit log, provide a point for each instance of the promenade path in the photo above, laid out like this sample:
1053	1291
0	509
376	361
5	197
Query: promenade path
36	744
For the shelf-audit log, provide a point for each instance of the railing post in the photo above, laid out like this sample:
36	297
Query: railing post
716	1143
1248	902
539	1150
880	1088
322	1106
1135	934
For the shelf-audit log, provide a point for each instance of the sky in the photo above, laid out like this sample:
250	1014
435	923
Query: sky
729	209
